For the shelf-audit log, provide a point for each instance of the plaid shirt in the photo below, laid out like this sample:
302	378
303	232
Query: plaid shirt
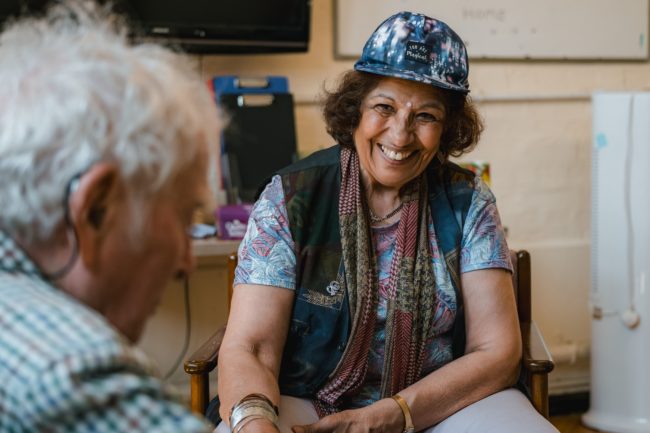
64	368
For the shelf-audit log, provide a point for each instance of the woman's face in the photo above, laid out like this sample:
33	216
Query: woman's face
399	131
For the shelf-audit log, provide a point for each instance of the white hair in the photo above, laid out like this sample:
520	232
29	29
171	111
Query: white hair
74	91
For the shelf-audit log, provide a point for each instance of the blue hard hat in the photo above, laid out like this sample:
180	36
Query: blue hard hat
415	47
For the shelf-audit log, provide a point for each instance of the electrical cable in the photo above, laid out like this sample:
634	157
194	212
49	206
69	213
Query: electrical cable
627	185
188	329
629	316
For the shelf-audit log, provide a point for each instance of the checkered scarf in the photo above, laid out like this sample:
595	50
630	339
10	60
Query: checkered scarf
410	292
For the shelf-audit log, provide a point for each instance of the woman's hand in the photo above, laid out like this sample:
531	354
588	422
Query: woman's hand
383	416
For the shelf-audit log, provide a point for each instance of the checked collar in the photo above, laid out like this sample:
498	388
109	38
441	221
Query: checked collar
13	259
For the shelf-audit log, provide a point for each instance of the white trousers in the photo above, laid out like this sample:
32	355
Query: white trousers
507	411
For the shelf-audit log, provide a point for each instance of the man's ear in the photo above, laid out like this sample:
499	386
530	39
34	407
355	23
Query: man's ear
93	205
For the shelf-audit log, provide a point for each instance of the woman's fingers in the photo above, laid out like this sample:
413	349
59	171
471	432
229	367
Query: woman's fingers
328	424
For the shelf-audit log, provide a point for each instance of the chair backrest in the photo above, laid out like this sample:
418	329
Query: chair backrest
232	265
520	281
521	284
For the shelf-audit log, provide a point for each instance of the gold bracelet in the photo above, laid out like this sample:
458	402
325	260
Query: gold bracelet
408	421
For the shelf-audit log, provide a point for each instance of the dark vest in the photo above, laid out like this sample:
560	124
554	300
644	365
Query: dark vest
320	322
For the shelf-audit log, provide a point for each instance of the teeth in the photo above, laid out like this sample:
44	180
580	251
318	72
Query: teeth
397	156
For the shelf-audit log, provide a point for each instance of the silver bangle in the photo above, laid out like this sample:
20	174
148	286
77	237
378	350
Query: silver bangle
250	408
241	424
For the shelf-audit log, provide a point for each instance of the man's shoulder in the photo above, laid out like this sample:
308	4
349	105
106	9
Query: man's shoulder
60	360
42	326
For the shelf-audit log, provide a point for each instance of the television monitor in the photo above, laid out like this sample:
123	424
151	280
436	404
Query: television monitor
209	26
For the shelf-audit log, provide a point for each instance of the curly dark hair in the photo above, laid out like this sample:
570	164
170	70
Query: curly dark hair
342	113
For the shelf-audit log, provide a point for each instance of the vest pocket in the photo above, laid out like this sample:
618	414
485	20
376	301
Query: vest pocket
298	328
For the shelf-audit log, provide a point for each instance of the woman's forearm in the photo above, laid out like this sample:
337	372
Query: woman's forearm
493	352
243	371
458	384
251	352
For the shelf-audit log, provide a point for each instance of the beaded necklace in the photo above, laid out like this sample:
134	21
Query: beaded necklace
374	219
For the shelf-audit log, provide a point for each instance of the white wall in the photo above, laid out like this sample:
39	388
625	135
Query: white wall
537	140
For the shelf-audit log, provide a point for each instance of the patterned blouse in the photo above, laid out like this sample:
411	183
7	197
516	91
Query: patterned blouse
267	257
64	368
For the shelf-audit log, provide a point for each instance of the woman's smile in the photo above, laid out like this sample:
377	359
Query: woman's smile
394	155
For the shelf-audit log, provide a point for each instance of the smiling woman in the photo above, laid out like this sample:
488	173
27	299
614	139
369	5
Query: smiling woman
424	304
434	122
397	137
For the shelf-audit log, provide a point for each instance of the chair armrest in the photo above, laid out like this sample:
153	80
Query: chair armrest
536	365
204	360
536	357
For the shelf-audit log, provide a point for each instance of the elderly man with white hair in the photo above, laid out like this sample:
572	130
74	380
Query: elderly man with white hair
106	151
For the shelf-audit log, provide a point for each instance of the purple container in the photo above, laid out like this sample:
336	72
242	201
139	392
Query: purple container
232	220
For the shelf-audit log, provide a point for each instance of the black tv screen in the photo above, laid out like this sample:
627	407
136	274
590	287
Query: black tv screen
12	8
209	26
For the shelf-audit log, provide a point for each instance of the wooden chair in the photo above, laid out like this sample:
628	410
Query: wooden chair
536	362
535	365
